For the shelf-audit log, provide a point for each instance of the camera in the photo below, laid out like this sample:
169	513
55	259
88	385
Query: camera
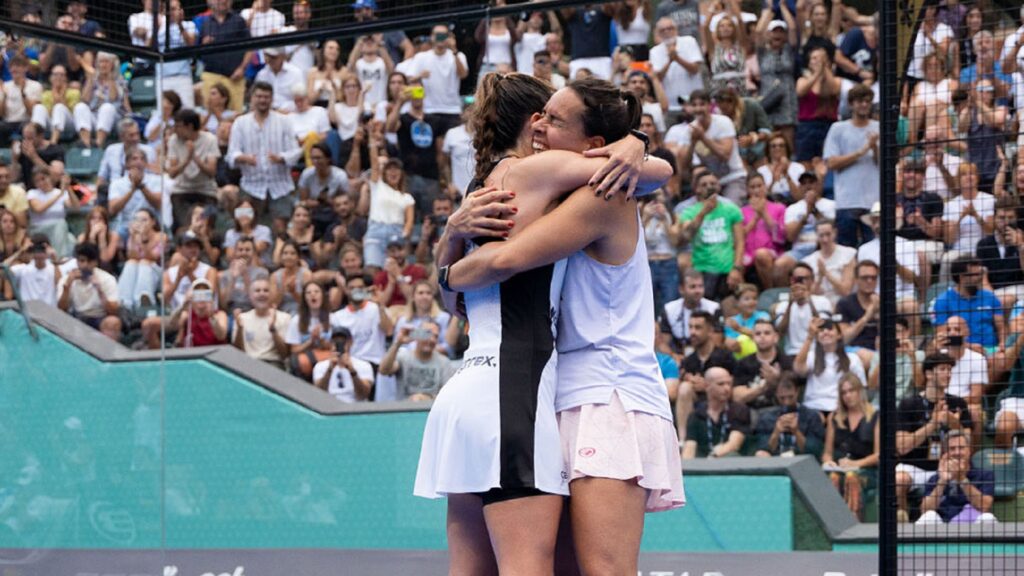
439	220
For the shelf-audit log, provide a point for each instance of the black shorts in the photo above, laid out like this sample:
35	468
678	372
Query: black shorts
495	495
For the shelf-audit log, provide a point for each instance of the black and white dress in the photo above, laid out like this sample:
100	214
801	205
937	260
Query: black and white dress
493	424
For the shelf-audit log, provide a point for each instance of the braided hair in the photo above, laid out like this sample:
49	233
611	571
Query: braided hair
503	104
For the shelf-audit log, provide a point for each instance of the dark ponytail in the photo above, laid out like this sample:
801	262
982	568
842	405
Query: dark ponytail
503	104
607	111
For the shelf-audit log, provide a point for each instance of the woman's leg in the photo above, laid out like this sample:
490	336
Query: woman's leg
83	122
469	548
105	119
607	524
127	284
523	533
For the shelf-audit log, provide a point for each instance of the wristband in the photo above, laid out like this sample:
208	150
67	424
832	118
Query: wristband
645	139
442	279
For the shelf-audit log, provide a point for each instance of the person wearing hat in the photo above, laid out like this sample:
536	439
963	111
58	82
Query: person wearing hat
281	75
777	42
394	282
398	45
88	292
198	320
176	284
677	61
221	67
346	378
38	279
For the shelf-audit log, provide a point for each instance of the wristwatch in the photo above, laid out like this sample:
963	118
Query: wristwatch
645	139
442	279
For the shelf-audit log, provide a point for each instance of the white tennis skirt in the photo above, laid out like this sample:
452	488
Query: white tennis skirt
606	441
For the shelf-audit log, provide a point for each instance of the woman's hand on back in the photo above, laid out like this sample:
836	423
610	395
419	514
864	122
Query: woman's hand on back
482	213
622	171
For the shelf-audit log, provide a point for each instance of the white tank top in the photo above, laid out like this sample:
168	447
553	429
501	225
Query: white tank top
185	285
638	31
499	48
606	335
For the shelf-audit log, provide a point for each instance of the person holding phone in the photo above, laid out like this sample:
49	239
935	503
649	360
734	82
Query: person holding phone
346	378
199	321
88	292
422	370
1002	252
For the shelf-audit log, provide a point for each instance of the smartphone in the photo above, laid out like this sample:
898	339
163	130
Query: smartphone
202	296
415	92
421	334
955	340
644	67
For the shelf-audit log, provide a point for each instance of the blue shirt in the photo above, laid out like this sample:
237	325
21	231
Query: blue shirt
669	368
746	323
970	74
953	497
980	313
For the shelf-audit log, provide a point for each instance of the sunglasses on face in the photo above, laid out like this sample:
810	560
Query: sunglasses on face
871	278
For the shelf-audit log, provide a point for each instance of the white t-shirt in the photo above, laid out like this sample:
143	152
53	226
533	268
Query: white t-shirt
122	187
678	82
55	212
85	297
35	283
720	127
923	47
822	392
313	119
781	187
529	44
283	81
971	368
458	145
796	211
376	75
441	88
835	264
336	181
970	228
364	324
257	340
14	106
933	180
388	205
799	320
906	256
340	385
294	336
264	23
347	118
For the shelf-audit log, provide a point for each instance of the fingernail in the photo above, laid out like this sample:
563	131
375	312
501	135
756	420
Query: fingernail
504	235
515	210
512	194
511	224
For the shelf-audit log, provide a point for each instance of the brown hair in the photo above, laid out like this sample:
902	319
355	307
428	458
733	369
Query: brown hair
608	111
504	102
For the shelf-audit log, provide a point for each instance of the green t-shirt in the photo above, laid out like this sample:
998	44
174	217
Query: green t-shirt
714	245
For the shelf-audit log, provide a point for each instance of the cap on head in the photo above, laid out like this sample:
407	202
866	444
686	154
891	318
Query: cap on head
360	4
777	25
201	284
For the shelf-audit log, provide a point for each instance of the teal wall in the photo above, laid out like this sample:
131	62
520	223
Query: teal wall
84	457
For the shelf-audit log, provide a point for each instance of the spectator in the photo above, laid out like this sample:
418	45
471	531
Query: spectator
192	156
260	332
969	299
13	197
719	427
97	231
162	118
432	229
441	70
341	375
144	250
532	40
263	145
559	59
423	308
969	376
416	137
319	185
1001	253
372	66
245	225
176	286
776	61
921	211
217	110
852	445
800	307
48	205
138	189
288	281
802	217
931	99
833	264
421	370
38	279
104	101
346	115
709	141
739	328
303	56
908	363
984	121
967	217
987	66
859	310
78	10
790	428
922	420
326	77
590	28
649	91
715	226
300	231
203	225
851	152
112	164
750	121
309	330
675	316
280	75
758	374
262	19
685	14
33	150
311	124
394	283
221	67
397	43
198	321
544	68
662	235
459	159
817	93
830	363
88	292
346	226
56	103
176	75
233	284
366	319
726	46
497	38
707	353
20	94
677	61
764	236
390	206
958	493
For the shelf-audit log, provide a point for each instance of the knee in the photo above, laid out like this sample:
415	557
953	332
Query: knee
764	257
903	481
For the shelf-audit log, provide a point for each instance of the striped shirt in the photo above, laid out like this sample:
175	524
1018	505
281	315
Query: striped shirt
275	136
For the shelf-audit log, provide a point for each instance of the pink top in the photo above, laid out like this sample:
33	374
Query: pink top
808	108
763	237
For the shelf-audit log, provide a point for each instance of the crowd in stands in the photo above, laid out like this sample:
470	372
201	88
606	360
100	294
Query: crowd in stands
286	201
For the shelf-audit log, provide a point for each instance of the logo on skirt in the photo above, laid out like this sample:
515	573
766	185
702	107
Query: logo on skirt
587	452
